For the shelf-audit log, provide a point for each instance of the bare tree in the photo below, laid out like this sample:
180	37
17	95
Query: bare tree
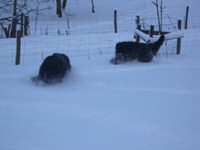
14	20
64	4
159	14
11	13
6	8
92	6
37	12
59	8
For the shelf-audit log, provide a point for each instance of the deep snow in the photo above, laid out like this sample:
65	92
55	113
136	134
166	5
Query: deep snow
101	106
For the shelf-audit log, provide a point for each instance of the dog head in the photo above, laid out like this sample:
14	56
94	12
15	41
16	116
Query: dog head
157	44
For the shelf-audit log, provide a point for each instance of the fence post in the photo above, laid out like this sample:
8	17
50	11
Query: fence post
151	31
179	39
115	20
17	61
138	37
22	24
186	17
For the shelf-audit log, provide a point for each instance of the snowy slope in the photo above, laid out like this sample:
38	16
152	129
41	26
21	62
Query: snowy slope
102	106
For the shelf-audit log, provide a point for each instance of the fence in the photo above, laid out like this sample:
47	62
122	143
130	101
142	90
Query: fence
85	39
84	25
37	48
170	23
34	50
103	24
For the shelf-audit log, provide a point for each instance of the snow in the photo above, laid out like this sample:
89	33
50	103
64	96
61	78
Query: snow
99	105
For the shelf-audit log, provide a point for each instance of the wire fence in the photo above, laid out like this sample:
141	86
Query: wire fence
169	24
94	24
87	37
72	25
36	49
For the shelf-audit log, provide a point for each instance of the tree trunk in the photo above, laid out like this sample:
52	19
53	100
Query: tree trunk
59	10
26	24
64	4
14	20
6	30
13	29
158	16
92	6
15	8
22	24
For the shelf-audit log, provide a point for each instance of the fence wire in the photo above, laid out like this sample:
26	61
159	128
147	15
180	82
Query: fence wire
34	50
86	39
72	25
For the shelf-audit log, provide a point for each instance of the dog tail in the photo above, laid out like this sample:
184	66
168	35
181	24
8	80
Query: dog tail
157	44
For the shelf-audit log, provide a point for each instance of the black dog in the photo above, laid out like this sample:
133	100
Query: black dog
127	51
53	68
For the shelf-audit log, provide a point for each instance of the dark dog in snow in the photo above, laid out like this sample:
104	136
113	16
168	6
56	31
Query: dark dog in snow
127	51
53	68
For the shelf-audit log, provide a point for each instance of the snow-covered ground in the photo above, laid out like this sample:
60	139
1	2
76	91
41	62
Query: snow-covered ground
100	106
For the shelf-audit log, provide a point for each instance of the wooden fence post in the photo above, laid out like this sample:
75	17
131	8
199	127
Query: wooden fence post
138	37
115	20
179	39
186	17
151	31
17	61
